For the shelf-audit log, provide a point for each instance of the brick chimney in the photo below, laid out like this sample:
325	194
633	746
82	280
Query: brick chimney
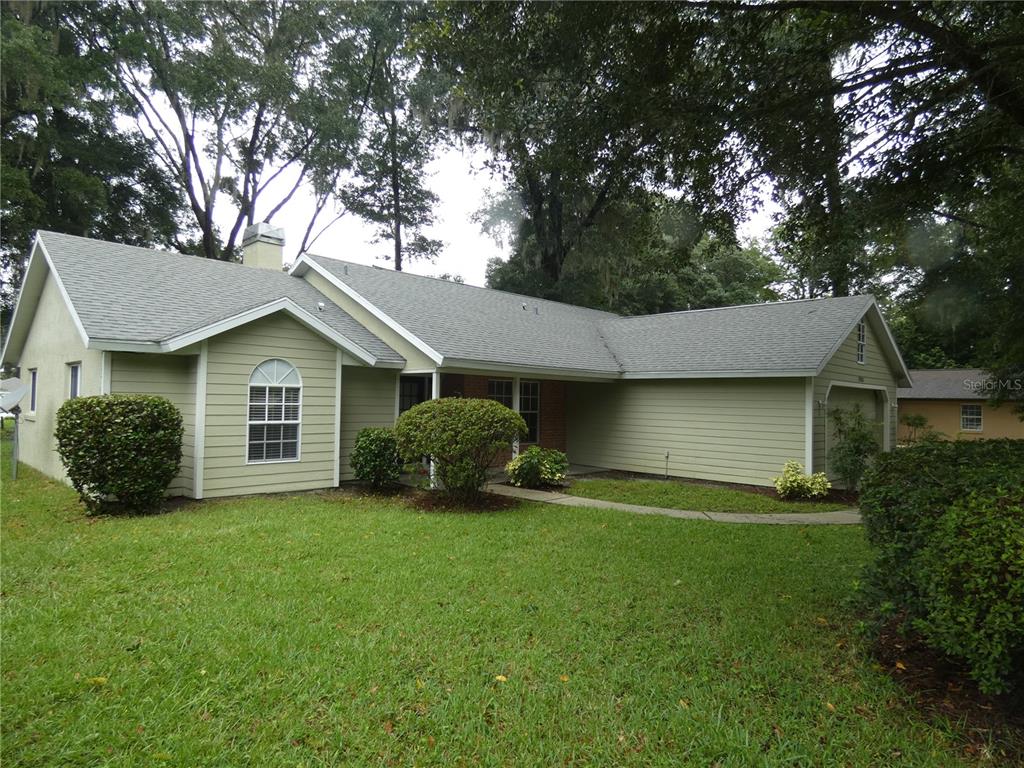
263	247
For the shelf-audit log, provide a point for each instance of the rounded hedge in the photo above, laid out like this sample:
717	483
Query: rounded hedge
462	436
123	448
946	521
375	457
971	574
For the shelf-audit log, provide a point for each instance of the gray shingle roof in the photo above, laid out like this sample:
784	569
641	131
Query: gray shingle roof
767	338
946	384
126	293
467	322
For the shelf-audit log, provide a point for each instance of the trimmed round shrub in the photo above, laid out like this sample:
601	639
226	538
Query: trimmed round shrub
120	448
375	457
794	484
537	467
971	573
461	436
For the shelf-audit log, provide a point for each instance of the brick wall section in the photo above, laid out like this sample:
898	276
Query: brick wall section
552	414
552	406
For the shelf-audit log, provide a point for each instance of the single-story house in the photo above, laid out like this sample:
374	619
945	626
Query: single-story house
276	371
955	402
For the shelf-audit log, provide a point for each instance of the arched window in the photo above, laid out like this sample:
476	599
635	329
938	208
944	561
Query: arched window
275	412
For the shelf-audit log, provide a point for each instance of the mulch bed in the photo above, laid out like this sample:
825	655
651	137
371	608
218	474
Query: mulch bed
992	726
835	495
438	501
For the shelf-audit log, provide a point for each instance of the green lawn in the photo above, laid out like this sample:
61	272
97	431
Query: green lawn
675	494
324	630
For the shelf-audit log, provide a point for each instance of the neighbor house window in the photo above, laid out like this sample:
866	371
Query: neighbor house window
275	411
500	390
970	417
75	376
32	376
861	340
529	409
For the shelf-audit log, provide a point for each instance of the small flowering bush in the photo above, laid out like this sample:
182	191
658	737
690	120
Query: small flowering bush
537	467
794	484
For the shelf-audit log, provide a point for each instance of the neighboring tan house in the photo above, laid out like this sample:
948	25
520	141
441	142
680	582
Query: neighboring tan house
955	401
275	372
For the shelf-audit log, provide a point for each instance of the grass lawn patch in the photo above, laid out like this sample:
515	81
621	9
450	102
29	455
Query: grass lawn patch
329	629
678	494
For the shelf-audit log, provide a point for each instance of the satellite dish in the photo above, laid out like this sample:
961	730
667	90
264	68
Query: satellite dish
12	392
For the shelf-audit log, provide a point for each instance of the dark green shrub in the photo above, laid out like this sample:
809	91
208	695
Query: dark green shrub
537	467
375	458
971	573
919	505
120	447
855	445
462	436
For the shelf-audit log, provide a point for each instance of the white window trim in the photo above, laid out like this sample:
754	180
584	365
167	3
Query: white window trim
33	391
981	418
862	342
74	378
513	391
526	440
297	423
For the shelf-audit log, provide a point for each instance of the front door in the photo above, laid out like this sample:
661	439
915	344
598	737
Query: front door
412	390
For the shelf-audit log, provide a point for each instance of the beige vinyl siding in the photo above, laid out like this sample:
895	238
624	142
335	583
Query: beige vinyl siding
52	342
730	430
415	359
843	368
367	400
231	358
170	376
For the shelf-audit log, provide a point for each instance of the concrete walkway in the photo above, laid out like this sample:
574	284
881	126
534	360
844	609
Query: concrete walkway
841	517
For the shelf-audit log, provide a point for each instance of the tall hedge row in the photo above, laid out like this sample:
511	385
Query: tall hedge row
946	520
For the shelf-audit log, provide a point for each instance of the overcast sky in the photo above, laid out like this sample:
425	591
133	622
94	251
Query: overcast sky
462	184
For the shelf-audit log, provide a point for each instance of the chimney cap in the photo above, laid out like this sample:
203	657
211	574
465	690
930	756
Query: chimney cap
264	232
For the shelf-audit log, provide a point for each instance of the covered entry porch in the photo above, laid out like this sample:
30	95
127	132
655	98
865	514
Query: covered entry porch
540	401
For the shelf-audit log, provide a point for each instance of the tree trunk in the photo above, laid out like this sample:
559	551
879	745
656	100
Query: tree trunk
396	188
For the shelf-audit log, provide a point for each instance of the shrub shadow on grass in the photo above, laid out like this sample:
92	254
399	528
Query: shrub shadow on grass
439	501
115	509
943	688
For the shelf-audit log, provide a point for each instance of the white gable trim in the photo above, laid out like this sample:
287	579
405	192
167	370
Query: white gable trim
242	318
38	246
302	264
892	348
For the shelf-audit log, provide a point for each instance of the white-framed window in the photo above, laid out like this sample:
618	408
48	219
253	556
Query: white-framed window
74	379
33	379
500	390
529	409
970	417
275	412
862	334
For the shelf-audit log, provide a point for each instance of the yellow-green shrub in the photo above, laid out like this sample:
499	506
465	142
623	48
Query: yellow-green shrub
794	484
